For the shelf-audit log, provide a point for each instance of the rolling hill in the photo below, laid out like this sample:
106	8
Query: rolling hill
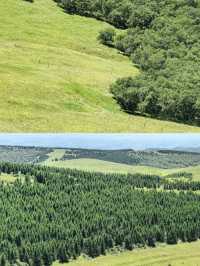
94	165
153	162
23	154
54	75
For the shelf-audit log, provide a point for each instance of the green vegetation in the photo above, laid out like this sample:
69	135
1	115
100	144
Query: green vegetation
65	213
55	155
165	163
54	216
8	178
155	158
163	40
184	254
23	154
94	165
55	75
194	170
162	163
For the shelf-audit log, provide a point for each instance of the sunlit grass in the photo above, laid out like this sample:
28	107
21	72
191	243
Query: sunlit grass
176	255
8	178
55	155
95	165
54	75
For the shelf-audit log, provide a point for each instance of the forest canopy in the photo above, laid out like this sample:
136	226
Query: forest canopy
163	39
58	214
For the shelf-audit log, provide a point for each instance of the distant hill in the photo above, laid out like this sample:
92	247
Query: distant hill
176	150
165	159
156	158
23	154
190	149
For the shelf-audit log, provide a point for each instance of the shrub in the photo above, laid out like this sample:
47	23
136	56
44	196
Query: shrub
107	37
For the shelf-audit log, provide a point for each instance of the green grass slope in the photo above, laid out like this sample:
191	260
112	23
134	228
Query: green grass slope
54	75
95	165
176	255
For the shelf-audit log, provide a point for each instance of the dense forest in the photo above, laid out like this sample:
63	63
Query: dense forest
163	39
64	213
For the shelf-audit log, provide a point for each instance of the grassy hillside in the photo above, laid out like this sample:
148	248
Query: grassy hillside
178	255
95	165
159	158
54	75
56	154
55	158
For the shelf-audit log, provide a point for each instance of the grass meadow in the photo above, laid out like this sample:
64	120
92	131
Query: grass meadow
54	75
95	165
184	254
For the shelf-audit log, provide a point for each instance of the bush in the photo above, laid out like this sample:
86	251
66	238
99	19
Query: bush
107	37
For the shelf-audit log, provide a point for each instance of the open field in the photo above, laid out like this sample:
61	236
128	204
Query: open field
54	75
97	166
176	255
92	165
56	154
8	178
110	167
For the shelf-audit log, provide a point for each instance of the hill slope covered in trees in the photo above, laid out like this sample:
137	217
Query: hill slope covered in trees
55	75
163	40
58	214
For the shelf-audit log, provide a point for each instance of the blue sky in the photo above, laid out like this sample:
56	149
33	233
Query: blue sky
103	141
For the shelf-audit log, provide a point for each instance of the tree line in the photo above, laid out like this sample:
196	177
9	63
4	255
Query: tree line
163	39
65	213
